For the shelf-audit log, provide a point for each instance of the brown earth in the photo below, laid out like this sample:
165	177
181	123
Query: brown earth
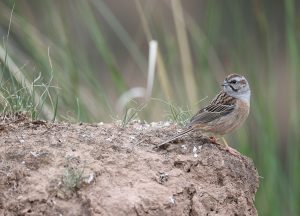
104	169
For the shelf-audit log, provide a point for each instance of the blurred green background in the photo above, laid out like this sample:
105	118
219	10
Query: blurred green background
74	60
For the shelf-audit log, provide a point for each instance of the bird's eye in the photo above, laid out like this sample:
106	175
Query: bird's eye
233	82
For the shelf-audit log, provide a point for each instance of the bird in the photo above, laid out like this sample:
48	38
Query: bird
226	112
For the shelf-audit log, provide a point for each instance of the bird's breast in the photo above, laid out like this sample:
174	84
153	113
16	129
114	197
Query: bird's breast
236	118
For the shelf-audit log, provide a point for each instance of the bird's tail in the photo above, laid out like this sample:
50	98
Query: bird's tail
175	137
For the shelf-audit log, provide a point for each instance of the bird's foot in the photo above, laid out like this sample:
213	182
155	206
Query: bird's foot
225	146
232	151
213	140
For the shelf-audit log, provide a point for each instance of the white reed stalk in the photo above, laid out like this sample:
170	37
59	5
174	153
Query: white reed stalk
151	67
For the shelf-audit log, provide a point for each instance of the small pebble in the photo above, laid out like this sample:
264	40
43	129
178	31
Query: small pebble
194	149
172	200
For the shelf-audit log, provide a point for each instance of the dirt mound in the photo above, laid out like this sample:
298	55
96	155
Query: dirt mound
104	169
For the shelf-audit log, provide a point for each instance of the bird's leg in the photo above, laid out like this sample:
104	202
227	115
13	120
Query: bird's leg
225	142
226	147
213	140
229	149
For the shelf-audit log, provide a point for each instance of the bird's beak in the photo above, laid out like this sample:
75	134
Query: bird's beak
225	84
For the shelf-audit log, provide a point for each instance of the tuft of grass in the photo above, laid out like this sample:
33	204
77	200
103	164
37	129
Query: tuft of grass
131	113
17	94
72	178
178	115
15	98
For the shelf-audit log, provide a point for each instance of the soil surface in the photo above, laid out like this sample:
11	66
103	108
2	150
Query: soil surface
105	169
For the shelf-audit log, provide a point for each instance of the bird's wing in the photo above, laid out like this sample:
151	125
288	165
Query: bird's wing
211	112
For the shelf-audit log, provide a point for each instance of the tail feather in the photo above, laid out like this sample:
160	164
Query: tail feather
175	137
